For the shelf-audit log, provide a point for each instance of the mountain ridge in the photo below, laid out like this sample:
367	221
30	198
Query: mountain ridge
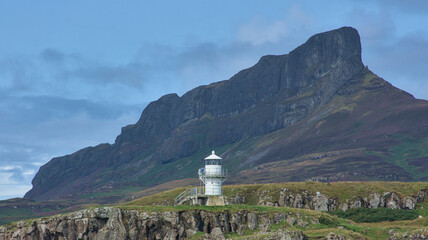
174	132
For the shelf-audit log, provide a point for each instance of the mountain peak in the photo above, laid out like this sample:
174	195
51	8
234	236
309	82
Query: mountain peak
320	83
344	42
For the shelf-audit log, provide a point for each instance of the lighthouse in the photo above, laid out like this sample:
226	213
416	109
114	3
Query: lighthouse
213	175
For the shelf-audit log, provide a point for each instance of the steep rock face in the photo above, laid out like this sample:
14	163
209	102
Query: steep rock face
275	93
115	223
271	90
364	133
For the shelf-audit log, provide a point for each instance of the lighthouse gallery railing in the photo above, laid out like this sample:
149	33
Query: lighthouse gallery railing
222	174
187	194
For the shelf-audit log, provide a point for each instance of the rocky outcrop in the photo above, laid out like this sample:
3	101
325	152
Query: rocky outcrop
322	202
115	223
385	200
415	235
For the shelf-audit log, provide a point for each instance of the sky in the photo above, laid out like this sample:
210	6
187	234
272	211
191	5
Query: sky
72	73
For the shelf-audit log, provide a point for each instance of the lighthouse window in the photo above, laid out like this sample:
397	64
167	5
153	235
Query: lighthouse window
212	162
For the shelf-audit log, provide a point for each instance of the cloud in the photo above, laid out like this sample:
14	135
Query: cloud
36	129
11	190
54	73
52	56
403	62
399	59
56	102
410	6
131	75
373	25
261	31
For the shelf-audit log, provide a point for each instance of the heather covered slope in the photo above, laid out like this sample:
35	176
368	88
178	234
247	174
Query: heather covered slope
313	113
369	131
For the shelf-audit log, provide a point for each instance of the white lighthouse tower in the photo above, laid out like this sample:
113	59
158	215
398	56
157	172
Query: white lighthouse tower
213	175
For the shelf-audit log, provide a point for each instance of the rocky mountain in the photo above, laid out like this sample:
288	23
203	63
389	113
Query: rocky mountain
315	113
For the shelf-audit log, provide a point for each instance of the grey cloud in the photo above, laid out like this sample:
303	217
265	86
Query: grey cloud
408	6
411	6
37	129
403	63
53	56
17	73
55	73
373	25
57	102
37	109
399	59
17	175
408	54
131	74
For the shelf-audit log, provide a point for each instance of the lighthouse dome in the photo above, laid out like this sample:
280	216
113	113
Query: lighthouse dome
213	156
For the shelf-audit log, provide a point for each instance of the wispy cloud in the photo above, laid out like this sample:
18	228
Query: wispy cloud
259	30
36	129
57	101
399	58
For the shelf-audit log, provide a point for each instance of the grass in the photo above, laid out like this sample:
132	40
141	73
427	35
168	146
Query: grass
197	236
422	208
368	77
170	171
319	223
376	215
341	191
354	129
327	223
408	148
241	154
116	192
8	215
322	233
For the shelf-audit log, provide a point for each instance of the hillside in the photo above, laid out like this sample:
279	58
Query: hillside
312	195
251	216
237	222
315	113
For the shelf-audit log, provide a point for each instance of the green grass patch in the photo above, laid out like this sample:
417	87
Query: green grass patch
422	208
240	152
8	215
376	214
341	191
116	192
197	236
408	148
187	169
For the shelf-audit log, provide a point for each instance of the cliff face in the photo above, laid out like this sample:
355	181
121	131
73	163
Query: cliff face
118	224
115	223
273	102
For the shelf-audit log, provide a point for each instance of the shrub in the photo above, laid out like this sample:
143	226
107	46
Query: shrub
328	221
376	214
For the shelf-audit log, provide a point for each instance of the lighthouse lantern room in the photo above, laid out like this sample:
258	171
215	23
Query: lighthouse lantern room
213	175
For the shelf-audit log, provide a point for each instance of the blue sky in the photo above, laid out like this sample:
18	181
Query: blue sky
73	73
